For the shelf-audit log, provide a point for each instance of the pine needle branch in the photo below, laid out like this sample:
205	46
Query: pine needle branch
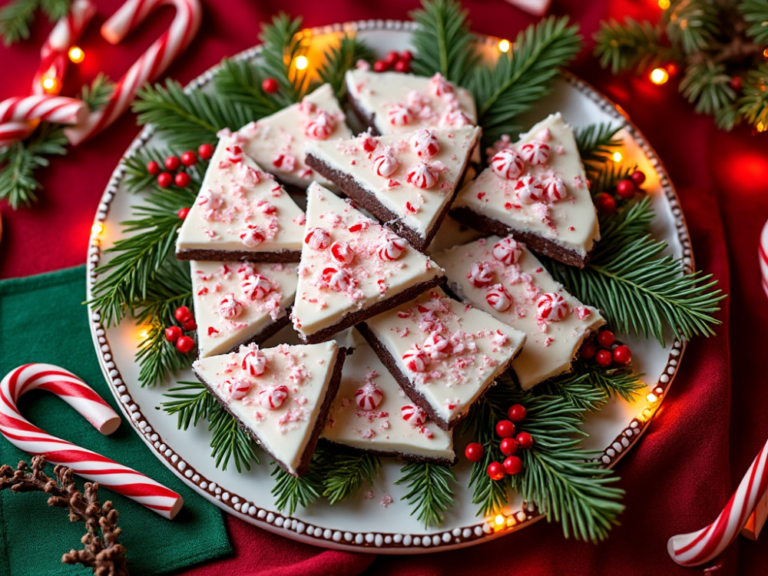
708	85
55	9
291	492
756	12
282	44
98	93
754	102
138	178
15	19
429	491
694	25
597	143
345	475
190	402
631	45
239	82
338	60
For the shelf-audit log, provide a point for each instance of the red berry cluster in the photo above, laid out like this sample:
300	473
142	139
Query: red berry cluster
605	351
399	62
625	189
165	177
270	85
510	444
176	334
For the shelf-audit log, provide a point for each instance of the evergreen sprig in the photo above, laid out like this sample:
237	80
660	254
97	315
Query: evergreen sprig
138	179
17	16
444	42
283	42
239	82
429	490
291	492
753	105
597	143
522	76
345	475
338	60
693	25
631	45
98	93
756	13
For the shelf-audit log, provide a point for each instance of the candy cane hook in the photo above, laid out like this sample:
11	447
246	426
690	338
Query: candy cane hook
91	466
702	546
149	66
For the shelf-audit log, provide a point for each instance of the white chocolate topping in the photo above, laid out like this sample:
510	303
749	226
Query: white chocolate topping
550	198
449	351
551	345
277	141
282	406
254	296
240	208
383	428
330	288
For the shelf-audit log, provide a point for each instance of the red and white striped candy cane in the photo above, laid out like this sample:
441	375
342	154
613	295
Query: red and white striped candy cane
762	250
149	66
91	466
58	109
11	132
702	546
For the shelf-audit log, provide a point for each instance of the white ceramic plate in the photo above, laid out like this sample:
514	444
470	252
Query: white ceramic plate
364	524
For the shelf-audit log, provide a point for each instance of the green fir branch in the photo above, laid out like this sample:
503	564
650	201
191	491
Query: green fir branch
98	93
55	9
282	44
138	179
239	82
609	177
692	24
444	42
756	12
754	102
708	85
345	475
429	491
338	60
15	19
597	143
190	402
291	491
631	45
522	76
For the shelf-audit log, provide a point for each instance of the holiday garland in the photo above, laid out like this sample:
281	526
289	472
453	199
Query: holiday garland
557	477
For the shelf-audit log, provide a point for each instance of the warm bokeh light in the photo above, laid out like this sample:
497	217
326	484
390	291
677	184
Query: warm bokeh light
663	4
617	157
499	520
672	68
76	54
97	229
659	76
765	52
302	63
504	45
49	84
143	334
652	398
761	127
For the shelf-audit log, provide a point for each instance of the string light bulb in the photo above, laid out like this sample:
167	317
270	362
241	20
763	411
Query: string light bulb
49	83
504	45
143	334
761	127
76	54
500	520
652	398
301	63
659	76
664	4
97	229
617	157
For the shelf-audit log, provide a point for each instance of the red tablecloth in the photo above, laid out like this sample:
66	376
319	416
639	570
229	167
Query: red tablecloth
681	474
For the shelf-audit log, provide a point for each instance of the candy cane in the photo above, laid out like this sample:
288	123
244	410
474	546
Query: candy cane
149	66
58	109
91	466
702	546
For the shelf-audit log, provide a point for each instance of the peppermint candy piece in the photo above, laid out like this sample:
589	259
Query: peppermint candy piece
285	162
554	189
272	397
234	154
391	249
498	298
455	118
337	279
551	307
416	359
252	236
528	189
368	397
507	164
369	142
238	388
399	115
321	127
342	252
439	86
535	153
386	164
414	415
318	238
256	286
480	274
229	307
507	251
254	362
210	200
437	346
422	176
425	143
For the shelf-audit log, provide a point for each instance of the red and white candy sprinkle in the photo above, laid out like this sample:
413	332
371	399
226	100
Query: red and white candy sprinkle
272	397
318	238
368	397
507	251
551	307
507	164
414	415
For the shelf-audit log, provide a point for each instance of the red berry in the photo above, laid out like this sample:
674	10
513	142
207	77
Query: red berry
182	213
380	66
172	333
205	151
626	188
181	179
474	451
172	163
270	85
638	177
505	429
164	179
402	66
605	338
604	358
182	313
736	83
392	57
605	203
512	465
189	324
588	350
153	167
406	55
524	440
622	355
189	158
516	413
495	471
508	446
184	344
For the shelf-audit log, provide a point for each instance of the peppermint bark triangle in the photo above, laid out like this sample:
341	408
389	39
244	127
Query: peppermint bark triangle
505	279
444	354
240	302
277	141
241	213
406	180
280	396
352	268
535	190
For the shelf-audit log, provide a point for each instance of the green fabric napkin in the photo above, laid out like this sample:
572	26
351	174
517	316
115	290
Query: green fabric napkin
42	319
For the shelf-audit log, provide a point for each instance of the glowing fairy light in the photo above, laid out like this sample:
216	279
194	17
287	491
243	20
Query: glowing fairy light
617	157
76	54
652	398
97	229
49	83
302	63
504	45
659	76
663	4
